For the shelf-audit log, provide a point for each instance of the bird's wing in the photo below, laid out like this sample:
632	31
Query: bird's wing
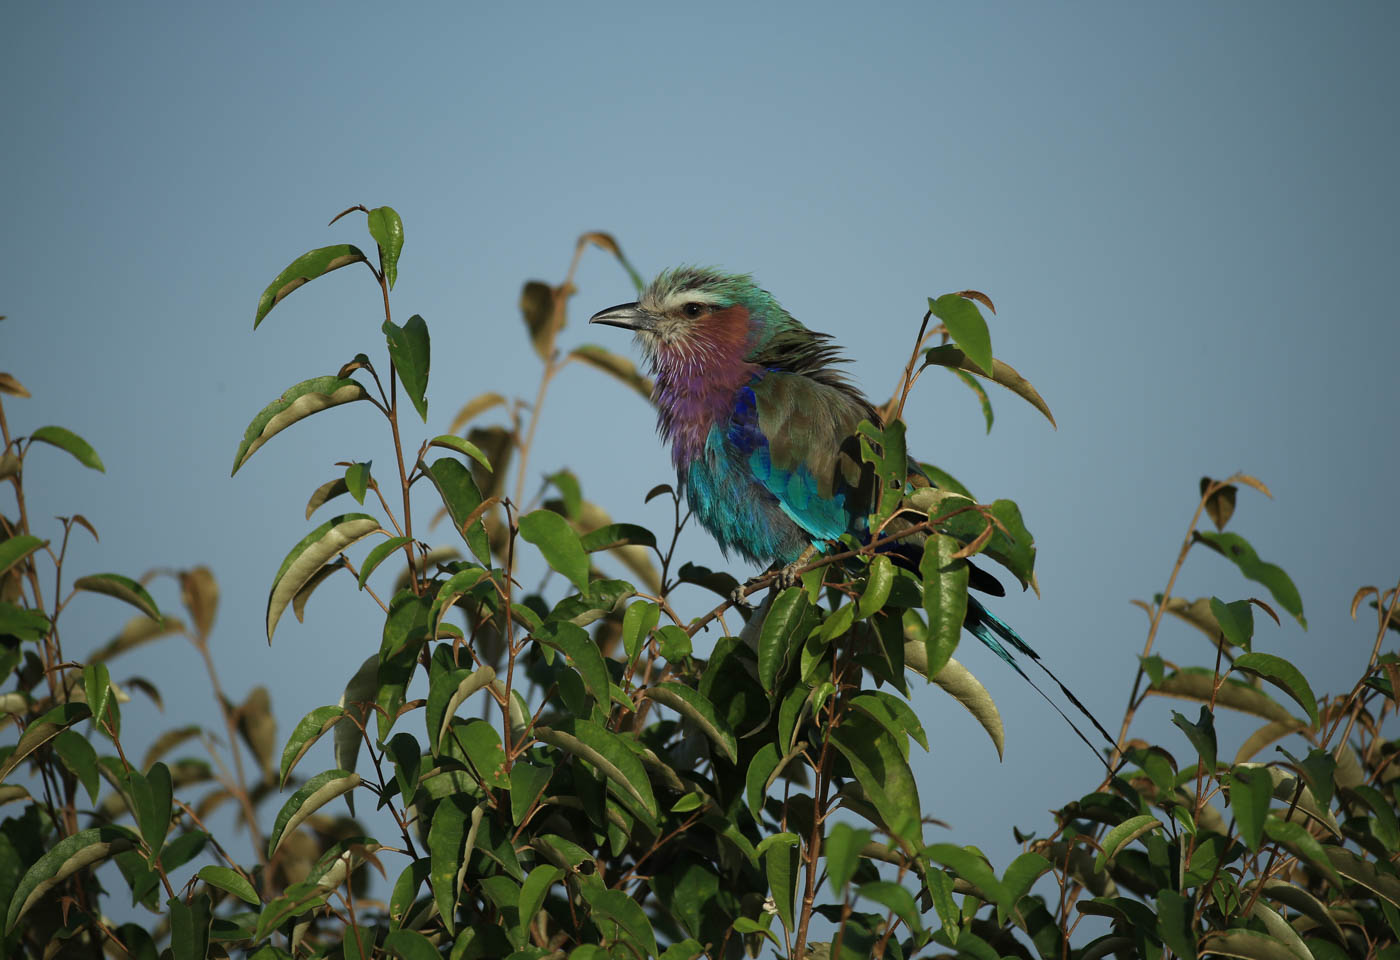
798	436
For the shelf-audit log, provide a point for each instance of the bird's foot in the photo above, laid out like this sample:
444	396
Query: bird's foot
739	599
788	576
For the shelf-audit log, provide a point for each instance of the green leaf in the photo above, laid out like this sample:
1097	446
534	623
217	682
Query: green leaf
313	795
615	365
378	555
67	857
1122	835
231	881
386	227
959	683
154	806
972	867
359	693
325	493
606	751
189	927
779	634
1174	923
70	442
120	587
41	731
696	708
411	351
842	849
637	623
780	865
967	327
895	898
357	480
559	544
613	535
1238	550
305	559
527	783
461	496
1303	843
97	688
583	655
1251	789
880	767
1198	685
1236	620
448	837
15	549
1282	674
879	580
617	907
464	447
982	398
945	599
759	775
1201	734
447	692
308	730
304	269
410	945
1002	373
535	889
79	757
295	404
1247	945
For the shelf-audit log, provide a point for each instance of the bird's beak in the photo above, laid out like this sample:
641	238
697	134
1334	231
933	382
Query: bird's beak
629	316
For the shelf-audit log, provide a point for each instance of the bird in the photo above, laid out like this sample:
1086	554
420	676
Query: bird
762	426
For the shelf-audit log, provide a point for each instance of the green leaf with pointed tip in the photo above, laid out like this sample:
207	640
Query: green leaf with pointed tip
230	881
447	692
973	868
308	730
896	898
97	688
295	404
583	655
959	683
535	889
410	945
1174	923
410	349
42	730
606	751
378	555
1251	789
356	700
779	857
967	327
357	480
613	535
1201	734
153	811
615	365
67	857
780	634
79	757
760	771
1238	550
879	580
842	849
1283	675
559	544
461	496
620	909
324	493
313	795
120	587
1002	373
316	549
70	442
945	599
697	708
1122	835
304	269
637	623
464	447
15	549
386	227
1380	881
1236	620
527	783
1300	841
448	837
880	768
977	388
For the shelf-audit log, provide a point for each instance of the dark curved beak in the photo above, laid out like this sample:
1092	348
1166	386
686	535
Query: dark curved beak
629	316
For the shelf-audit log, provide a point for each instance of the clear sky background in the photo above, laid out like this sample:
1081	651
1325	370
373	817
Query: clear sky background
1185	213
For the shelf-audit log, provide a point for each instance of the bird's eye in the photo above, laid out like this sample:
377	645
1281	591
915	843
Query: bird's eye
693	310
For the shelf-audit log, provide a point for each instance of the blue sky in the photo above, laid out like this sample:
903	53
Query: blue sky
1185	214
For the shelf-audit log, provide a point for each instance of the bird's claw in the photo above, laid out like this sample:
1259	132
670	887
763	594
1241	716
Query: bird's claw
739	599
788	576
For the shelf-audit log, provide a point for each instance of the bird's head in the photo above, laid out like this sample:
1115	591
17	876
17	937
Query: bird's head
697	311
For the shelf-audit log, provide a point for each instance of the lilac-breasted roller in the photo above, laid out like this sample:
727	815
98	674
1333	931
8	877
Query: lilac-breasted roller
762	424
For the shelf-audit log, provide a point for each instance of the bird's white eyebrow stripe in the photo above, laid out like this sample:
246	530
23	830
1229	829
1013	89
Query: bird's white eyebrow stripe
678	298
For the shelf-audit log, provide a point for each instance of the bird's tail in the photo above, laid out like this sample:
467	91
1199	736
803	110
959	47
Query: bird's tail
992	630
